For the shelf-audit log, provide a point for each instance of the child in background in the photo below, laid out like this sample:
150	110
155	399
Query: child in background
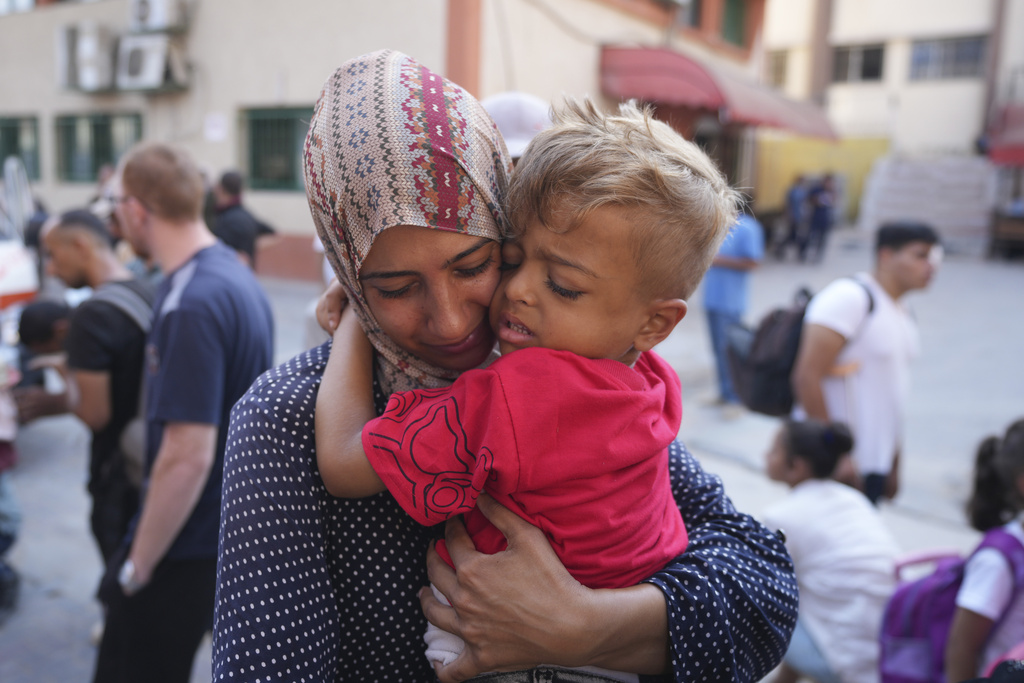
616	218
842	553
989	619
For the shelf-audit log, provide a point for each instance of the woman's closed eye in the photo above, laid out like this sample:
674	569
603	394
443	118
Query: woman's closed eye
570	294
394	293
476	270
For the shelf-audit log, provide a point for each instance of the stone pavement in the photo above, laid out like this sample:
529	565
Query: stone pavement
969	382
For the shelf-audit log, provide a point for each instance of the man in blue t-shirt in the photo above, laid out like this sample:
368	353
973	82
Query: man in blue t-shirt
725	296
211	338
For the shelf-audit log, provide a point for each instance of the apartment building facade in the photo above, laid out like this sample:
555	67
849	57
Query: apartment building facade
234	81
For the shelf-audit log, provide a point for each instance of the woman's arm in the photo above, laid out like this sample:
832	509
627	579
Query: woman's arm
348	382
517	627
732	596
723	611
967	636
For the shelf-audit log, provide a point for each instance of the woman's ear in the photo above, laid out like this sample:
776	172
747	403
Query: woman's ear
662	317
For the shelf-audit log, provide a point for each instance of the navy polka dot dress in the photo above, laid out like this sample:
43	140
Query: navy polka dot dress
313	588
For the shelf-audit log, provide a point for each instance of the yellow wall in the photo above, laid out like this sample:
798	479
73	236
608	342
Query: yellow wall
780	159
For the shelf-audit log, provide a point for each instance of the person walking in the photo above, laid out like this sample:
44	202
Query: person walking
856	348
726	286
211	337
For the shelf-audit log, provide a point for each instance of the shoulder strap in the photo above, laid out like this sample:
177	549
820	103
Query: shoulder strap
128	301
871	307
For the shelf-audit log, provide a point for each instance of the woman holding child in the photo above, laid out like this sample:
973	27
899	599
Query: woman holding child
407	179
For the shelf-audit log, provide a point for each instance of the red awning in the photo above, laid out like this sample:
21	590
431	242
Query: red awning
1006	142
660	75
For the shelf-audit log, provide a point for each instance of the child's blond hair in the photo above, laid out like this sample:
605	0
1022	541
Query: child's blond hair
683	204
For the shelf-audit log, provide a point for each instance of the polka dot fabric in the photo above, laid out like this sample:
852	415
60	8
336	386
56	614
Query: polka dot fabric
314	588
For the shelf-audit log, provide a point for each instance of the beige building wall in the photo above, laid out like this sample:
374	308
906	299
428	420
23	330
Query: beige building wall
242	54
552	53
864	21
1011	58
553	49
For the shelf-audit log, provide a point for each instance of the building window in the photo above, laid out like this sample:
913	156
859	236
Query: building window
690	13
86	143
275	140
734	22
950	58
19	137
857	63
11	6
777	62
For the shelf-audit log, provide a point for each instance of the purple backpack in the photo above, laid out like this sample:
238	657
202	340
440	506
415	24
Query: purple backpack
917	619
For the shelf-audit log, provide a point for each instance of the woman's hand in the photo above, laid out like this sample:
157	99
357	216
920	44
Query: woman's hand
520	608
330	305
511	607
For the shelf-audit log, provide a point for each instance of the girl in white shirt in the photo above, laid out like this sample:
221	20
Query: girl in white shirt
989	619
842	553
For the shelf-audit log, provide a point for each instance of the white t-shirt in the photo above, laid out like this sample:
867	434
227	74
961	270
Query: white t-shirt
881	344
844	556
987	589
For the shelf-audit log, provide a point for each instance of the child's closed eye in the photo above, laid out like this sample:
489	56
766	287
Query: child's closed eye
570	294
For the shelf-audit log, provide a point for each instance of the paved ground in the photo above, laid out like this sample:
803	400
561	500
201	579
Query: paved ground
969	382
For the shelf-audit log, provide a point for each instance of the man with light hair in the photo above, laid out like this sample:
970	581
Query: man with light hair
211	337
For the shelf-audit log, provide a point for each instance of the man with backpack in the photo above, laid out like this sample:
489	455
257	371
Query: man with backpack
105	345
857	342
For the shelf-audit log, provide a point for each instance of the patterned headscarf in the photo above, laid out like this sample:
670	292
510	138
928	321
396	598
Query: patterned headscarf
392	143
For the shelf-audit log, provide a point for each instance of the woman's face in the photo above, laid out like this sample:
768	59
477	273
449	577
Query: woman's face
429	291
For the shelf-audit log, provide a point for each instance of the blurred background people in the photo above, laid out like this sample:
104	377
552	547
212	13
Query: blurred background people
726	295
843	554
796	216
821	205
989	619
234	225
519	116
856	348
105	347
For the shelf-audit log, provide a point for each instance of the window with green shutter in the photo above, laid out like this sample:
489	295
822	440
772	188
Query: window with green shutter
85	143
275	138
19	137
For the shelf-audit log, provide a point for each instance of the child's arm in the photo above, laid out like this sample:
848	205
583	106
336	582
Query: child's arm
343	406
967	636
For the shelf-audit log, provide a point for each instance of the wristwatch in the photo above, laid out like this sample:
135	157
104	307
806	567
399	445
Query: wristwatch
130	583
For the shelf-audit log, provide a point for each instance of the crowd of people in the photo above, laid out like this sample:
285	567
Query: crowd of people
489	366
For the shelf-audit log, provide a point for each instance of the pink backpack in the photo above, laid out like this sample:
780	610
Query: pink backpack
917	619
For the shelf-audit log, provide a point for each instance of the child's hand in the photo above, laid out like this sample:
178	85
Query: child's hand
330	305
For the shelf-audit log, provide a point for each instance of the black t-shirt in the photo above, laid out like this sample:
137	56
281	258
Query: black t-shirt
103	338
238	229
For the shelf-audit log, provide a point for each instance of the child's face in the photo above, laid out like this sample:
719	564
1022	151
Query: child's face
576	291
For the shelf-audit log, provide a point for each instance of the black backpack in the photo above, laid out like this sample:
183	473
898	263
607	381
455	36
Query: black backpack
761	361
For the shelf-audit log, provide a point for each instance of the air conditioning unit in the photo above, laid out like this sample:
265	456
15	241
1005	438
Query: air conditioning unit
85	57
149	61
147	16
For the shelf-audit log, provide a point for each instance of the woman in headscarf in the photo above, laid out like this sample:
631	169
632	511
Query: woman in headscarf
406	176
